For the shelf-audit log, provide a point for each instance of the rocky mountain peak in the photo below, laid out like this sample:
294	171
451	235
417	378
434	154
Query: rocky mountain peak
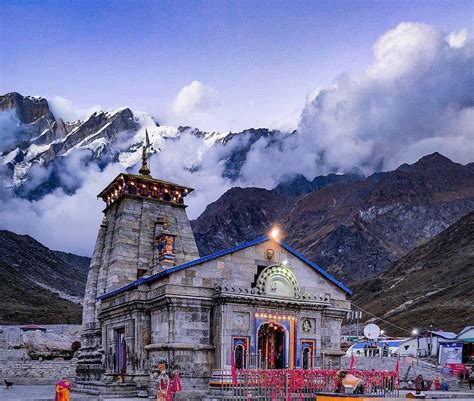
28	109
432	162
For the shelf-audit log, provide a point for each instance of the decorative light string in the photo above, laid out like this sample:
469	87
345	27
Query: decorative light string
274	317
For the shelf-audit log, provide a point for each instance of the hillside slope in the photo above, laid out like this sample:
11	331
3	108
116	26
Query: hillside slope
433	283
36	285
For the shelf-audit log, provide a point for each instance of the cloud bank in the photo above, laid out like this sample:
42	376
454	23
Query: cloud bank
196	105
416	98
58	220
64	109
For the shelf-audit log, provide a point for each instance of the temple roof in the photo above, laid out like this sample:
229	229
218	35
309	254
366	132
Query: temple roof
218	254
140	177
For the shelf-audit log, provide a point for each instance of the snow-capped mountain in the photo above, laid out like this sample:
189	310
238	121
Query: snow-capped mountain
32	136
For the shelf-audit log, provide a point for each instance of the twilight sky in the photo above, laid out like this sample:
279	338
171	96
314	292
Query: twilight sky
254	62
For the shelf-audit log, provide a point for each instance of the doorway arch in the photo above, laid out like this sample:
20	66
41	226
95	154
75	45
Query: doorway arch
273	345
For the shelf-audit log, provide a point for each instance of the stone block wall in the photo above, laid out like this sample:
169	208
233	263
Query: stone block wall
36	372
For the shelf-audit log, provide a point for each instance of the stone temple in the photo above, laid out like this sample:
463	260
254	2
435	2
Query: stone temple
151	298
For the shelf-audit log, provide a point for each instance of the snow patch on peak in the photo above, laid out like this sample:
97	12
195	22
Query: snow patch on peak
157	135
10	156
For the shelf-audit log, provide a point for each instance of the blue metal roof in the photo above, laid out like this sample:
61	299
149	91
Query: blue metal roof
390	343
218	254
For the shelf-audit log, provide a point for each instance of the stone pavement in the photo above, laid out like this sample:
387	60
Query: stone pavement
46	393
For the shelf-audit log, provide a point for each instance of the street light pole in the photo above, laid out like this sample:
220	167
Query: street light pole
431	338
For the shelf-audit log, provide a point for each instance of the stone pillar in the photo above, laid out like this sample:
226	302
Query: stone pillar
146	236
105	260
124	252
89	366
89	312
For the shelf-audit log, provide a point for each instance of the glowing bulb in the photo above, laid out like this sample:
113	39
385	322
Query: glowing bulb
285	262
275	233
415	332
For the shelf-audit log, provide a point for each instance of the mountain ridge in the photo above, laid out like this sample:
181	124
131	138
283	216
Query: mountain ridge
355	229
41	139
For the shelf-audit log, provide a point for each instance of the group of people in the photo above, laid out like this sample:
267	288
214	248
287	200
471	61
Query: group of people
371	350
464	377
166	387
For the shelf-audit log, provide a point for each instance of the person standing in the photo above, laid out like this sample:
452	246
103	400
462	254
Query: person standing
461	377
437	383
63	388
469	379
419	384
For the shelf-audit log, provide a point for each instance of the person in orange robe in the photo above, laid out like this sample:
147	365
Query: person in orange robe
63	387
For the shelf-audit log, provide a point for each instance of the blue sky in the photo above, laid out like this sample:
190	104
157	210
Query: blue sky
259	59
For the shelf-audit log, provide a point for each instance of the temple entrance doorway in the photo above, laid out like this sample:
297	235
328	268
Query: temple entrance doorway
272	345
120	362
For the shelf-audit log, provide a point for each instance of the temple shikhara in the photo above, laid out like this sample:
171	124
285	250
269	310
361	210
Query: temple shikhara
151	299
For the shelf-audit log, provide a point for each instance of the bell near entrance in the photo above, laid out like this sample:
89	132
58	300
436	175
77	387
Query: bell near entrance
271	345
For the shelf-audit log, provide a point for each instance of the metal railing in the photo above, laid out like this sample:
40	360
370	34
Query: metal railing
299	384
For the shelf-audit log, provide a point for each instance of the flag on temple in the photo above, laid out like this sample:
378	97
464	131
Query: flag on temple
233	369
397	364
352	361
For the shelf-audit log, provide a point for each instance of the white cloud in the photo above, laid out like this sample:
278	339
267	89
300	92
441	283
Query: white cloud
457	39
410	47
63	108
9	128
417	97
192	161
195	98
58	220
196	105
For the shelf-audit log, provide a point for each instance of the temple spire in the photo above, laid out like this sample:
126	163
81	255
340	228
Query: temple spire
144	169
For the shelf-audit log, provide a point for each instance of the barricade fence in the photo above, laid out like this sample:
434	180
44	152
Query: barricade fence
300	385
256	361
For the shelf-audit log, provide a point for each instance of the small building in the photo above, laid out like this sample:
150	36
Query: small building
459	350
32	327
425	345
466	337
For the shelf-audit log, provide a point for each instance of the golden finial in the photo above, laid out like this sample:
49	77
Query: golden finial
144	169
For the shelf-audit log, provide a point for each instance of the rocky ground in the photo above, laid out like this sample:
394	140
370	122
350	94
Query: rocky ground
46	393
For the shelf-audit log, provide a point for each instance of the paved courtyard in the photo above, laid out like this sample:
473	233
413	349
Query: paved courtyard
46	393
